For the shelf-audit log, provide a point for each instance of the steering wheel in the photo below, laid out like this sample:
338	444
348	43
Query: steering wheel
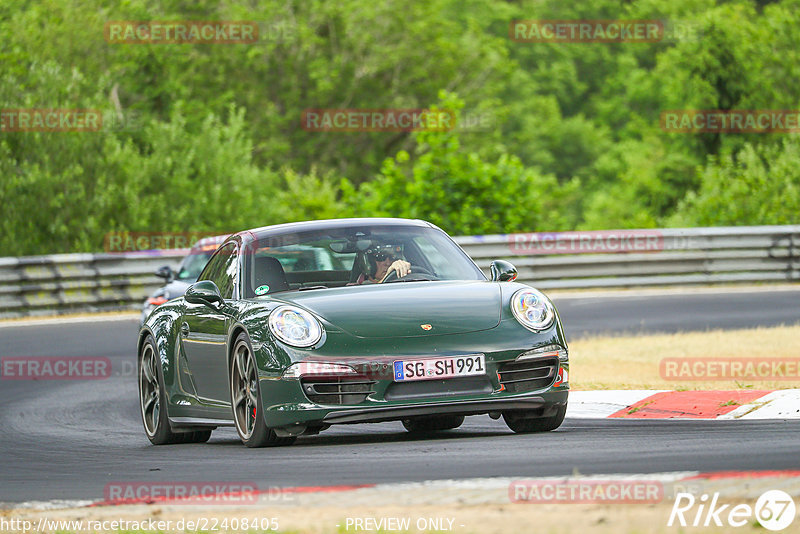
415	269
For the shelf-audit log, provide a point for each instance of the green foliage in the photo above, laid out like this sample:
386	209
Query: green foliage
199	179
462	192
173	182
305	197
758	185
573	138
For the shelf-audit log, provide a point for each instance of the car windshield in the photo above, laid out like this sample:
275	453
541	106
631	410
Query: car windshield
348	257
193	264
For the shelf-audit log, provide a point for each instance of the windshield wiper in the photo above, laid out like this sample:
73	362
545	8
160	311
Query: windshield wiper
307	288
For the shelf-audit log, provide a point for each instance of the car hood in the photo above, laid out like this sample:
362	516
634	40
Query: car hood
405	309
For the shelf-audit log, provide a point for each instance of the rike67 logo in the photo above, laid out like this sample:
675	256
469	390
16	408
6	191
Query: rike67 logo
774	510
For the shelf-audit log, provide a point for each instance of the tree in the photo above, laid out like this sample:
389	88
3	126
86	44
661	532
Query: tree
460	191
758	185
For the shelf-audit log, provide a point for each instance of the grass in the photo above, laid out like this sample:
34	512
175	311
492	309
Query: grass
633	362
637	408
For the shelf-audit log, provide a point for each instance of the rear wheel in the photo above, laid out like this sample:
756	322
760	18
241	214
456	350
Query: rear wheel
246	399
519	423
433	423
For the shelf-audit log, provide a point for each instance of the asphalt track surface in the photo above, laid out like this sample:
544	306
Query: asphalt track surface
68	439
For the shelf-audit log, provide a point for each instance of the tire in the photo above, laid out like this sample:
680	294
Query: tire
517	422
246	399
433	423
153	399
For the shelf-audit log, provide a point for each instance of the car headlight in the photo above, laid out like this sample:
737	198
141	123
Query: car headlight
294	326
542	352
532	309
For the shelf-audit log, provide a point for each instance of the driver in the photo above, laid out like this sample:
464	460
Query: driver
381	263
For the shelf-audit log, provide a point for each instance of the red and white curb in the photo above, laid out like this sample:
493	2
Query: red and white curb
663	404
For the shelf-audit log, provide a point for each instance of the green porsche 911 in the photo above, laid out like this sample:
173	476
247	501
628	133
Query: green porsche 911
295	327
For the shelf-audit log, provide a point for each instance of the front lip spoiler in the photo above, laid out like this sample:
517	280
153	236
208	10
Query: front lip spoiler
389	413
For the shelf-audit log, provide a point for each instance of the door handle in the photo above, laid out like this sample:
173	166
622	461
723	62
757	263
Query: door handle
185	329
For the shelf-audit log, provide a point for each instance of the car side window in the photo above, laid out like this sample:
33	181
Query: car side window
223	270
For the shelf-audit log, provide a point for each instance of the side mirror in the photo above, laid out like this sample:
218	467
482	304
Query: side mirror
166	272
503	271
203	292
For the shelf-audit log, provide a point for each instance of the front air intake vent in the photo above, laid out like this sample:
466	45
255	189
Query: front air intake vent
337	390
528	374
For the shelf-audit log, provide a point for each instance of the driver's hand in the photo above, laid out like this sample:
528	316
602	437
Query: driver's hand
401	266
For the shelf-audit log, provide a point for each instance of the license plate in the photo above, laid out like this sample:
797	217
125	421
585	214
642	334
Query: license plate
445	367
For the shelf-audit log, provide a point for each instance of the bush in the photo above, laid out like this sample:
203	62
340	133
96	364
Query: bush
758	185
462	192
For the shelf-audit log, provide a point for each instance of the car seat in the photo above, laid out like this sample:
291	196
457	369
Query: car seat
268	271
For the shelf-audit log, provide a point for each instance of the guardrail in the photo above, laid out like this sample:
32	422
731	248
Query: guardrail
63	283
647	257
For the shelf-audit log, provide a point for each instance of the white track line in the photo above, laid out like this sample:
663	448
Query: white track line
781	404
570	294
53	321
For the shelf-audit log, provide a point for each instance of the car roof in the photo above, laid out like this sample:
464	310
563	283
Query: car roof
325	224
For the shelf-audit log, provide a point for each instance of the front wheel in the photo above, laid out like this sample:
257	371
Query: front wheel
246	399
518	422
152	398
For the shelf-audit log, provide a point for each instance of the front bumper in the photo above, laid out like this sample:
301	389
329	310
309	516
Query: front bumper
470	407
292	404
302	413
